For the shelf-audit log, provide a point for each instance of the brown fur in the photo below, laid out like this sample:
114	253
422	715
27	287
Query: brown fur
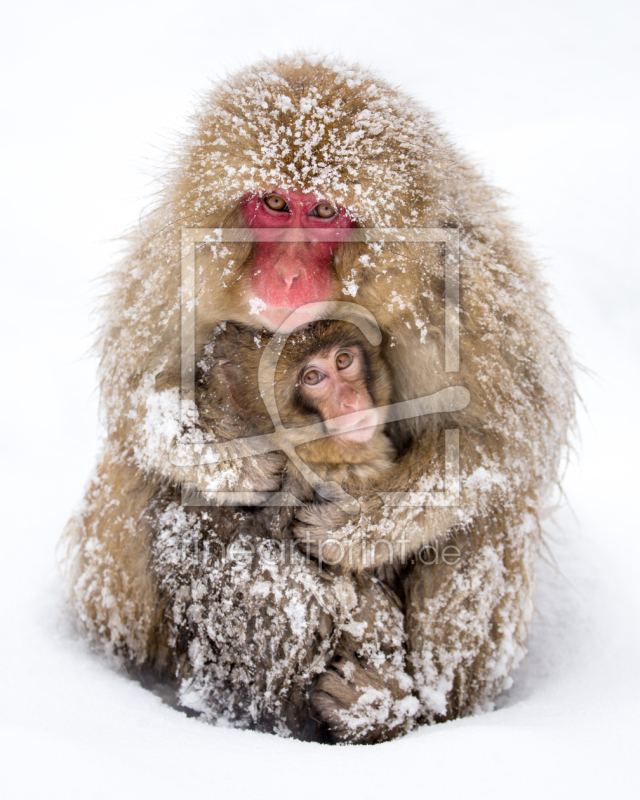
340	132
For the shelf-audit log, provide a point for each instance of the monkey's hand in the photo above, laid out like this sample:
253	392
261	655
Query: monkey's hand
320	529
333	537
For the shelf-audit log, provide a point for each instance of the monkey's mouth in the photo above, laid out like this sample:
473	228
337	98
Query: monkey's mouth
357	427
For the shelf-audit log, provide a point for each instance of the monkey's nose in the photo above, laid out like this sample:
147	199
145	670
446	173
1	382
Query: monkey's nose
349	400
288	276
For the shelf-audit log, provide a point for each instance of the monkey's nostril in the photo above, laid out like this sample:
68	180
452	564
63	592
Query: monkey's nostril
288	278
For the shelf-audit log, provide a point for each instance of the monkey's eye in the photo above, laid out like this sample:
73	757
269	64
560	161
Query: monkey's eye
275	202
344	360
324	210
313	377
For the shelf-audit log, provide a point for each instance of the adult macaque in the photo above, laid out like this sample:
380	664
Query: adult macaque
303	156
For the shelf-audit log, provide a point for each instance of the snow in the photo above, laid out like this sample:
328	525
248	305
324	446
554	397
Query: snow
350	285
256	306
541	95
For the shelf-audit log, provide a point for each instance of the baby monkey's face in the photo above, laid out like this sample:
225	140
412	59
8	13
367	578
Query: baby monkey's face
335	385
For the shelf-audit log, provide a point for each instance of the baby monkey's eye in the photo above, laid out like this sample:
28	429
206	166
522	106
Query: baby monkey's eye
324	210
275	202
344	360
313	377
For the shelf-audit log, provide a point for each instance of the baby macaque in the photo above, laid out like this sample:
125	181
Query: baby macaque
328	372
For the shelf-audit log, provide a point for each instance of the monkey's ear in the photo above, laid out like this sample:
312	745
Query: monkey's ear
240	389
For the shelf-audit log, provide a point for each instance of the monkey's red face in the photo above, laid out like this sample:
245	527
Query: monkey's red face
335	385
293	263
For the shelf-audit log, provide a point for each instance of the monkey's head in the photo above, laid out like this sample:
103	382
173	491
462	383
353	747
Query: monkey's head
292	264
298	156
329	372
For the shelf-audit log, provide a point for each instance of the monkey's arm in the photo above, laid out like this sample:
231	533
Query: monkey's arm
468	597
366	694
106	560
252	623
227	407
388	528
468	609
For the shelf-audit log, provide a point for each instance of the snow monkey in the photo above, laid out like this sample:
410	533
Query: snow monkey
309	181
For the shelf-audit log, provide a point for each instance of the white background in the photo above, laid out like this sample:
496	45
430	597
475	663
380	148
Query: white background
544	96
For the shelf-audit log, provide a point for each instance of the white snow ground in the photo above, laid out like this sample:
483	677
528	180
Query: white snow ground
544	95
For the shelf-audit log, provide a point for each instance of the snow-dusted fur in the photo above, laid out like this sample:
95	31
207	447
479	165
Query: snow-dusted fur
139	580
